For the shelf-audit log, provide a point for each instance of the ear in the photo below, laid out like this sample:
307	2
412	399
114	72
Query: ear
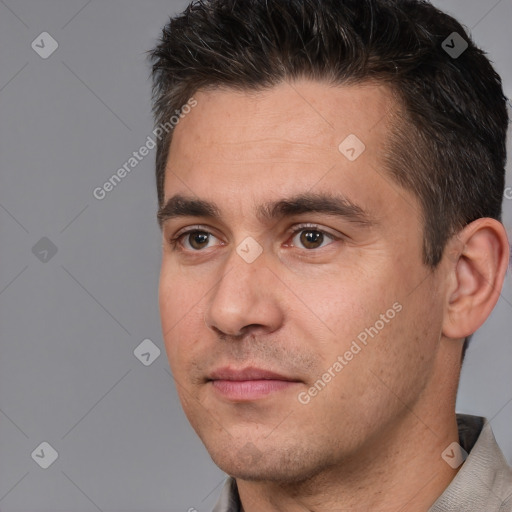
480	255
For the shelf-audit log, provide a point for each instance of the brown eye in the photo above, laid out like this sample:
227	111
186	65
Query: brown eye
311	238
197	239
192	240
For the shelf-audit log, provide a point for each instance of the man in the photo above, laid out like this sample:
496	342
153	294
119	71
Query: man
330	203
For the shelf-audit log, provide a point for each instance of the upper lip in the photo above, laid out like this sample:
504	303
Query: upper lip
249	373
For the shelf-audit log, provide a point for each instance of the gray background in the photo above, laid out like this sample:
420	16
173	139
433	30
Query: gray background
69	326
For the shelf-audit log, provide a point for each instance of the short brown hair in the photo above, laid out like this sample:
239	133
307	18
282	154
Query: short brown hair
449	146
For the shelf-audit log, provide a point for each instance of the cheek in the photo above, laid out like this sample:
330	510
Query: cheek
347	305
178	303
366	321
401	357
179	294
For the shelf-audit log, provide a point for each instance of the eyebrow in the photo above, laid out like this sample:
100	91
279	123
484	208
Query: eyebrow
337	205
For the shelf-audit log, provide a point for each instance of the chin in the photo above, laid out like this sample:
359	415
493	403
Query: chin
252	464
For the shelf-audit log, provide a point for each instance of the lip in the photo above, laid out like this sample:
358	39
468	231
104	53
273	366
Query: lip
248	373
248	383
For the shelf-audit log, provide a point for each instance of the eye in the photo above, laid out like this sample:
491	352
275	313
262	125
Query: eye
192	240
308	237
311	237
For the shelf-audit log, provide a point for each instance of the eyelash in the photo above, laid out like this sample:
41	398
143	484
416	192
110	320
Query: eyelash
176	244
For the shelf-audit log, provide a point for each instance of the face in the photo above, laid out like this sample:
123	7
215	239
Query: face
298	318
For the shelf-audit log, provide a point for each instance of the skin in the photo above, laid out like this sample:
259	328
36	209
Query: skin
372	438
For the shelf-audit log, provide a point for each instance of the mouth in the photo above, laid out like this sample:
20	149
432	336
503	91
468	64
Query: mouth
248	383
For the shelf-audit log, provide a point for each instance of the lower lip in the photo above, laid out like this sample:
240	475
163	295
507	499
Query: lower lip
249	389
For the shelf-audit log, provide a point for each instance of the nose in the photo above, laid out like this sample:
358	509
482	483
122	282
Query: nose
247	297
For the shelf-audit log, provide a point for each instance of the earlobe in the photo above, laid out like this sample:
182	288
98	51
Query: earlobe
478	273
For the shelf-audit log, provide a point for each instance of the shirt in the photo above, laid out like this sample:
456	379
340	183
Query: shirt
482	484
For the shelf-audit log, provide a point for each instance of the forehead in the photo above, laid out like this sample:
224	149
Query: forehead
239	148
295	119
